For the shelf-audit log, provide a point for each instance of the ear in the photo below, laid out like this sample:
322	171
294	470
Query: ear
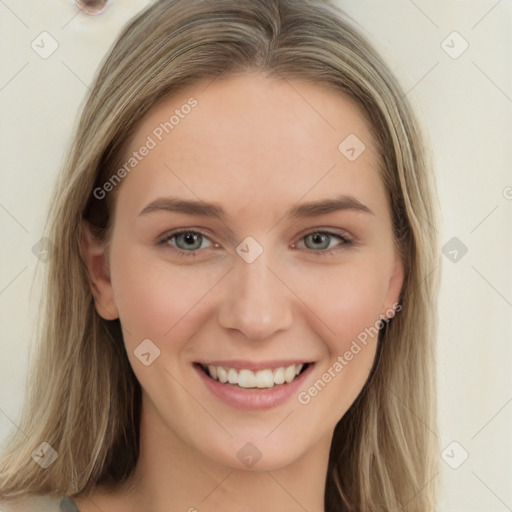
94	253
396	282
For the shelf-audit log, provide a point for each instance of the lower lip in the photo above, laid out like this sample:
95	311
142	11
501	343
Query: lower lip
254	399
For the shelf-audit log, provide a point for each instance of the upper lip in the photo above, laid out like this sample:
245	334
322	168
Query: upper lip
254	365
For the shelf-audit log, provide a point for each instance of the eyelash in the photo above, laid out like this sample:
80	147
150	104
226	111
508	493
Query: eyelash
346	241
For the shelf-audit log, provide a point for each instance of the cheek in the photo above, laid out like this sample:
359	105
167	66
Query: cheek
155	297
346	298
347	301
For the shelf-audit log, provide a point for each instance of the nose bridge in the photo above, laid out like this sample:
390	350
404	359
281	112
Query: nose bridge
257	304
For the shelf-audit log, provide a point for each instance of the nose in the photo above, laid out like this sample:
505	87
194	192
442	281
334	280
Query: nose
256	303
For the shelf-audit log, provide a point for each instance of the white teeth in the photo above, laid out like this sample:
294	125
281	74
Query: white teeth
232	376
289	373
264	379
222	374
261	379
213	371
247	379
279	376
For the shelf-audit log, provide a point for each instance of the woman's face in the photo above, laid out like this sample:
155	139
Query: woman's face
288	258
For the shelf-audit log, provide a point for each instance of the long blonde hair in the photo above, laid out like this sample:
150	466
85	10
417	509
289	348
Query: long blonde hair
83	398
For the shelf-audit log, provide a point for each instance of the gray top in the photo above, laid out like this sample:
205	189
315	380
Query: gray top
40	503
68	505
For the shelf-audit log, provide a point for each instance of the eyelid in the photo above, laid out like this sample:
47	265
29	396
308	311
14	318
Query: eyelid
329	231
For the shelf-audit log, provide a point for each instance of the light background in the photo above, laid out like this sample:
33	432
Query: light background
467	106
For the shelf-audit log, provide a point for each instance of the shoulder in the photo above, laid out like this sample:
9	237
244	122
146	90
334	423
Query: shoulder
31	504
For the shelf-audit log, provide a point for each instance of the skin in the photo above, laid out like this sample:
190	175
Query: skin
254	146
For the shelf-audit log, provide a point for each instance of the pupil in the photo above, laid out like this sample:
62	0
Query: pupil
190	239
319	239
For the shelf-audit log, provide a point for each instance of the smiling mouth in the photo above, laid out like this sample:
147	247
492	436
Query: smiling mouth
260	379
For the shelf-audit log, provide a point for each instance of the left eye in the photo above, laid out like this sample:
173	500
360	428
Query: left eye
322	240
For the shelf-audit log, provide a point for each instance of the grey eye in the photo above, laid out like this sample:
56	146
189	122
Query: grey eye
189	241
317	240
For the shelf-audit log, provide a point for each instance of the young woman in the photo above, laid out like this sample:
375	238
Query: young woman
240	311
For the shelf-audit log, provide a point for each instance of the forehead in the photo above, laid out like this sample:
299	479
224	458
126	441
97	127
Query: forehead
249	137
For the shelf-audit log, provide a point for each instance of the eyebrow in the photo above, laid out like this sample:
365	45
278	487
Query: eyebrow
300	211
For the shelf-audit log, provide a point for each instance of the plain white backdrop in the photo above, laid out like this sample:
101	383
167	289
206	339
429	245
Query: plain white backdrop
454	59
